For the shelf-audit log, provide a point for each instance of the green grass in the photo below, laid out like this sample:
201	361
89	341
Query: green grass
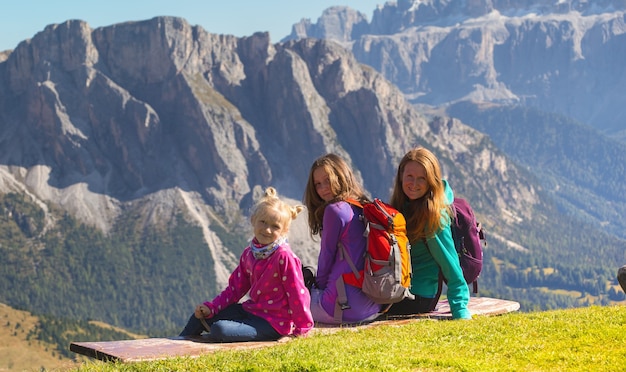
582	339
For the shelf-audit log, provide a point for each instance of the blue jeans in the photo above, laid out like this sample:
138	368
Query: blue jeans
233	324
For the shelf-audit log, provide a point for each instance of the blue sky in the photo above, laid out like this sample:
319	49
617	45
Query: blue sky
22	19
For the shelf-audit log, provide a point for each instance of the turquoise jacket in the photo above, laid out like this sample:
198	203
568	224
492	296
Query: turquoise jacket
442	254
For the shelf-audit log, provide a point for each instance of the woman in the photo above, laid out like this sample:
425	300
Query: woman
424	198
331	182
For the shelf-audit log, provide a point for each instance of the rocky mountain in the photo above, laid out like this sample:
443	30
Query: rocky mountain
92	119
563	57
131	154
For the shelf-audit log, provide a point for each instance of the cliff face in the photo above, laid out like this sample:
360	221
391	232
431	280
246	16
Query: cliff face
563	57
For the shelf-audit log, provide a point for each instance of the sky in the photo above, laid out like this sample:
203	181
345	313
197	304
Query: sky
22	19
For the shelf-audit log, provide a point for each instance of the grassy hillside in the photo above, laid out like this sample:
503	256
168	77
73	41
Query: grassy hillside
582	339
35	343
20	351
75	271
582	169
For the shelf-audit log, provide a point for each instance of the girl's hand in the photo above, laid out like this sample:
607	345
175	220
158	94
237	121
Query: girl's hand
202	311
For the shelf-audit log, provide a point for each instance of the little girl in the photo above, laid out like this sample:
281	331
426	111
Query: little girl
331	182
279	303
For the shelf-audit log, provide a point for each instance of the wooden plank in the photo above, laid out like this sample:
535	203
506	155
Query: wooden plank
158	348
478	306
161	348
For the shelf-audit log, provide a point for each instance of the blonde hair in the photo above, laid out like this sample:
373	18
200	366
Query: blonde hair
423	215
343	185
271	202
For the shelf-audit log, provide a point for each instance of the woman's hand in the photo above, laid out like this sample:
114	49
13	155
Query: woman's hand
202	311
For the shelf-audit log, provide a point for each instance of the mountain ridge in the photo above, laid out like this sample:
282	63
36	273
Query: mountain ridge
557	57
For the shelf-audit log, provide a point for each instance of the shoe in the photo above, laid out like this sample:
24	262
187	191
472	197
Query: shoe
308	273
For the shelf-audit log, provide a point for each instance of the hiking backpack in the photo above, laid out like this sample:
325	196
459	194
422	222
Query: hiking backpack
386	277
469	238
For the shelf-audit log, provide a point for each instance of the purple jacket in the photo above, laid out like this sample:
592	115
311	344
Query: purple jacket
276	288
341	224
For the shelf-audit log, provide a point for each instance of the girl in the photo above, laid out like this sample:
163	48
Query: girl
330	183
271	274
424	198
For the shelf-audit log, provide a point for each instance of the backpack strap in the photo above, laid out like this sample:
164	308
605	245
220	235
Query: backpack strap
343	254
442	278
354	202
341	303
342	298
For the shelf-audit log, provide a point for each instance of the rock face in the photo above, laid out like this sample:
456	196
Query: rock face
166	116
562	56
338	23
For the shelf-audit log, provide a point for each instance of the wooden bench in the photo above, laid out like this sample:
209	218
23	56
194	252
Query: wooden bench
162	348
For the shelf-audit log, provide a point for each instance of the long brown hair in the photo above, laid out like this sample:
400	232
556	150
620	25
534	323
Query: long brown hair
343	184
424	215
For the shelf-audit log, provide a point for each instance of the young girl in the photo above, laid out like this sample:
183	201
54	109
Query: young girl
271	274
330	183
424	199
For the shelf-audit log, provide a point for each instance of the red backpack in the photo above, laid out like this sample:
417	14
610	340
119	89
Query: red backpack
386	278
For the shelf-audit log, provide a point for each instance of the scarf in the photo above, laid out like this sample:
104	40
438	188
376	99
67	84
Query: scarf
264	251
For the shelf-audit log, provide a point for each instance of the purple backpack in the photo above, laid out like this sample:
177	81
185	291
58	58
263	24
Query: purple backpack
469	239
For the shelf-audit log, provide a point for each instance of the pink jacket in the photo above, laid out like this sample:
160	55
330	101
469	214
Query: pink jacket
276	289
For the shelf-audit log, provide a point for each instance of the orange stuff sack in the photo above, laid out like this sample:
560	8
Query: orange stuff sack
386	277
